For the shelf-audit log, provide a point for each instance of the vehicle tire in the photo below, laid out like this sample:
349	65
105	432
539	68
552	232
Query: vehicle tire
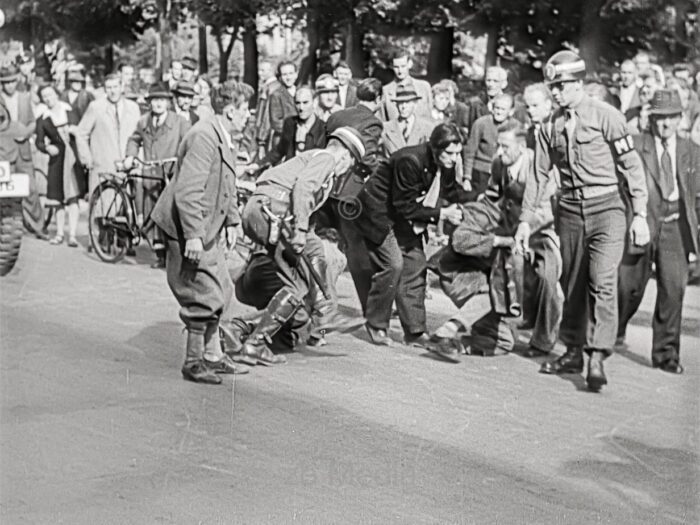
109	242
11	232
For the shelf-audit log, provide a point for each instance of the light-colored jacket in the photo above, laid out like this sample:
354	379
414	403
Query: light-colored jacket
102	139
424	106
392	137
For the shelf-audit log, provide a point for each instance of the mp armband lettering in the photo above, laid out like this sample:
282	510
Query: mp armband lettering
623	145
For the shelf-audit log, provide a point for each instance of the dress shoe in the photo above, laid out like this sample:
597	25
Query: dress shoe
159	264
672	367
445	348
569	363
595	379
417	340
225	365
378	336
258	353
531	352
200	373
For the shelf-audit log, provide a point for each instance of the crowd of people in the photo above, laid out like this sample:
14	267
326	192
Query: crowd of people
556	203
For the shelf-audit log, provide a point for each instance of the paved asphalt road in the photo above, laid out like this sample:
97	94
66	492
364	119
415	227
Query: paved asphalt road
99	428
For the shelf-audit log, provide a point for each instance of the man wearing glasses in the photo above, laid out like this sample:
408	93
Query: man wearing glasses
589	144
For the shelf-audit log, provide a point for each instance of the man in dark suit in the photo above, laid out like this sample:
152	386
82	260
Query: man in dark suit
416	188
281	102
672	167
300	132
342	209
347	90
197	207
183	94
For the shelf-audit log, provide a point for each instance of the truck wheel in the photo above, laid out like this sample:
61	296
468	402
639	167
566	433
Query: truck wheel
11	232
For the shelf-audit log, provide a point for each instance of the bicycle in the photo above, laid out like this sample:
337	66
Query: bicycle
113	216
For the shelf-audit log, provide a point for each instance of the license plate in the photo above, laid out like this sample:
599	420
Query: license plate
5	172
16	186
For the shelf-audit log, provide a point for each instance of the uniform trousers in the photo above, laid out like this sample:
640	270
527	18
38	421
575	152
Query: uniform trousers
670	256
202	289
592	235
399	274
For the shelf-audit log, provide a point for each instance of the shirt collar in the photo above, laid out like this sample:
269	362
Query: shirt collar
514	168
670	144
227	135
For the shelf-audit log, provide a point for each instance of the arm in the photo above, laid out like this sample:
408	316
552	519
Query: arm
276	112
307	184
629	165
82	137
135	141
190	184
475	236
372	135
407	192
40	137
536	186
278	152
470	150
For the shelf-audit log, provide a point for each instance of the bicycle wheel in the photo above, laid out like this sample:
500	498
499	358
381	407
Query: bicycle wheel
108	222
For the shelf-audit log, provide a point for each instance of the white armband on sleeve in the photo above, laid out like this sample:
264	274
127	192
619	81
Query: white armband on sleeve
623	145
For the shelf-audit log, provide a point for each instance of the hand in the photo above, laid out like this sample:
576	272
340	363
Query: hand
522	238
467	185
128	163
298	242
503	242
194	249
52	150
139	219
639	231
231	234
451	214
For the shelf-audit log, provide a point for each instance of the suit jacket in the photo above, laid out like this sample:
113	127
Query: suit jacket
157	143
101	140
25	117
201	198
262	112
281	107
370	129
286	147
635	103
423	107
81	102
688	178
351	97
392	138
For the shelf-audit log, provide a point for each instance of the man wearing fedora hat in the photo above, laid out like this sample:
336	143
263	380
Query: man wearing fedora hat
407	129
184	93
76	95
300	187
672	167
159	132
401	63
326	87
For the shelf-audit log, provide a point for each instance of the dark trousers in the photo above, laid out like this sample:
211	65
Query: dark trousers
669	255
399	274
592	234
543	299
202	289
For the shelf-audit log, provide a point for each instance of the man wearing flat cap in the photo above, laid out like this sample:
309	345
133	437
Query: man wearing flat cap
198	212
183	93
407	129
589	144
159	132
672	168
294	190
76	95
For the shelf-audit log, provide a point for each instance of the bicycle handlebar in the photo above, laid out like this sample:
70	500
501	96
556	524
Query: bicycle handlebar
156	162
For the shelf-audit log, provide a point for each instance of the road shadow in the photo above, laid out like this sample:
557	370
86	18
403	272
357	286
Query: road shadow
635	358
665	481
162	342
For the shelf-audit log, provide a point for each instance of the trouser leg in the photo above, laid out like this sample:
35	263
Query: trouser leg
359	262
547	297
633	276
606	243
574	276
410	297
671	280
387	265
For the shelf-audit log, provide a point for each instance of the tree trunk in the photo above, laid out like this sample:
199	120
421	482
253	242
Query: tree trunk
440	55
109	58
491	44
165	34
250	58
203	56
592	33
354	51
225	53
307	71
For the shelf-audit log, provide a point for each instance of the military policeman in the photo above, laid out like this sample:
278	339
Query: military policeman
197	208
298	187
589	144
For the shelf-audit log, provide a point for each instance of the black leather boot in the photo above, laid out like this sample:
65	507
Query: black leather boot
234	333
595	379
255	350
569	363
195	369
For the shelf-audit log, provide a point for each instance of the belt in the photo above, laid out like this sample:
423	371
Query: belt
587	192
273	190
673	212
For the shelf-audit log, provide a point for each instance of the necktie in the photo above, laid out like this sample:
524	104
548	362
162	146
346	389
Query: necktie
404	129
667	183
